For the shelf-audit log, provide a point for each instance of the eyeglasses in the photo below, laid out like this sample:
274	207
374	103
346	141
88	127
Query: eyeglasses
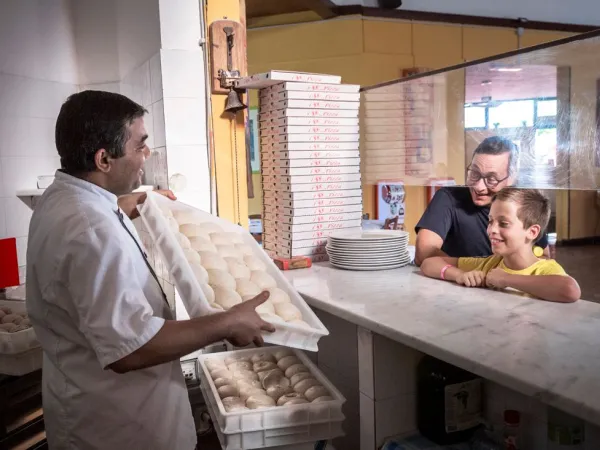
473	177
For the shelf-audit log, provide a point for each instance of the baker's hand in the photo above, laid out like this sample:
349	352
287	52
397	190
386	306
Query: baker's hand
245	325
129	202
475	278
497	279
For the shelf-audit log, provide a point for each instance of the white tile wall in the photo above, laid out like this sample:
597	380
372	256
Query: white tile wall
179	24
21	172
185	121
18	215
158	117
156	84
3	233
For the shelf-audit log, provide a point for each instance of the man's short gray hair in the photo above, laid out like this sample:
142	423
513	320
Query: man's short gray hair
497	145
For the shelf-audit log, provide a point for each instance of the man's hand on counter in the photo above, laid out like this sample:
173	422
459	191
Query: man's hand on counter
128	203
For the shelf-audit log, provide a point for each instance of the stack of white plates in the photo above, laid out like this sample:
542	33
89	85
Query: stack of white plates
368	250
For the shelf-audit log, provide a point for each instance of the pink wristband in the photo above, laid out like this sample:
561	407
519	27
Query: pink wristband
446	267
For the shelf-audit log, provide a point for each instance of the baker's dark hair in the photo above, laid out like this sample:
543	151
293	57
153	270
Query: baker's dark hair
496	145
92	120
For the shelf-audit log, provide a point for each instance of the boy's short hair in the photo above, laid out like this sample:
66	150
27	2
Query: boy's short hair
534	207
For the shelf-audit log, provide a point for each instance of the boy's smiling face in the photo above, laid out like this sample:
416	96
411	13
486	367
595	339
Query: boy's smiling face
506	231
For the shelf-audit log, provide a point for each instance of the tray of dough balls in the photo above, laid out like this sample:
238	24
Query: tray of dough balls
215	265
16	334
269	396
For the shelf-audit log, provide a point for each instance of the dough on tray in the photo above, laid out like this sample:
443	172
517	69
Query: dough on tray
227	298
262	366
2	314
228	251
259	401
234	404
277	391
296	368
9	327
282	353
192	256
248	391
288	361
202	244
278	295
12	318
265	374
221	373
238	270
194	230
247	289
5	309
234	358
199	272
302	386
245	383
315	392
262	279
245	249
221	279
240	365
325	398
228	390
295	379
262	357
289	396
288	311
186	216
265	308
220	382
254	263
220	238
183	241
244	375
271	318
213	261
214	364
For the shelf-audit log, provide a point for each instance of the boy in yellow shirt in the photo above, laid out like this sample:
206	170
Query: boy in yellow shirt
517	217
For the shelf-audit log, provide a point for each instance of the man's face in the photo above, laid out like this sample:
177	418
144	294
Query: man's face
488	174
126	172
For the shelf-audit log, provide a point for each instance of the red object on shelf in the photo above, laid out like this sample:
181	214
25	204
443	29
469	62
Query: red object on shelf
9	267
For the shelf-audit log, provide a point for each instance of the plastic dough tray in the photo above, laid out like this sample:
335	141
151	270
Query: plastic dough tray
192	296
20	341
312	421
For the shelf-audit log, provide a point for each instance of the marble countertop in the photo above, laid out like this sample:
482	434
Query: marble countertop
545	350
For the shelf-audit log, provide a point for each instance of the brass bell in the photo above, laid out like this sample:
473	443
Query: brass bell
234	102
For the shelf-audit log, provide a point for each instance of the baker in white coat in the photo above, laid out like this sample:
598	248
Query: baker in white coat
111	372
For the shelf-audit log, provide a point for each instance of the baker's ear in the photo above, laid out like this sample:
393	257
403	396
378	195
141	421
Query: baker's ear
102	160
533	232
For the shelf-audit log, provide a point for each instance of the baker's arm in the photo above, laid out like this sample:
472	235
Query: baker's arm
429	244
129	202
241	325
554	288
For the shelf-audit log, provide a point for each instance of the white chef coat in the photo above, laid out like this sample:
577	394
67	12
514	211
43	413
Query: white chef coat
92	300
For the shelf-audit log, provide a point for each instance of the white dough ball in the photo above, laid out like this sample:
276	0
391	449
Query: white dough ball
8	327
12	318
199	272
228	251
227	298
262	356
26	323
259	401
247	289
245	249
214	364
244	375
202	244
265	308
280	354
192	256
278	295
220	238
246	392
296	368
315	392
183	241
221	278
5	309
208	291
288	361
233	358
238	270
295	379
216	306
290	396
193	230
271	318
173	225
263	366
302	386
228	390
245	383
213	261
240	365
266	373
288	311
276	392
263	280
254	263
220	382
232	404
2	314
221	373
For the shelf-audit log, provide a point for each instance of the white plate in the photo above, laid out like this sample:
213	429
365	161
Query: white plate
362	261
368	268
356	235
397	255
369	245
366	251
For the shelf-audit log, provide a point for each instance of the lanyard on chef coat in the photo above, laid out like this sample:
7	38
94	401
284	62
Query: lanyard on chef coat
120	216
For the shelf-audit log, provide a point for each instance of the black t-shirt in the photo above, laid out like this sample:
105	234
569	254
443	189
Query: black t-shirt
460	223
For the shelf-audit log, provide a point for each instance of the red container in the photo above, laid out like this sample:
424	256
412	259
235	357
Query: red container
9	267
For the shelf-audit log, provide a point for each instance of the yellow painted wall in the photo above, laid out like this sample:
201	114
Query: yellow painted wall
367	51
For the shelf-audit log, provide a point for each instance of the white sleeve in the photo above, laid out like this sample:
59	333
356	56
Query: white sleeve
114	314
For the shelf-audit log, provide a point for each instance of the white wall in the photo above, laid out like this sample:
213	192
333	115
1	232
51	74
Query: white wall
584	12
38	70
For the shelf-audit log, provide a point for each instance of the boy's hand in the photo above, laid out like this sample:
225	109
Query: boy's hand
475	278
496	279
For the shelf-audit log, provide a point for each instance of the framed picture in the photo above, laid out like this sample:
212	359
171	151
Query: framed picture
254	141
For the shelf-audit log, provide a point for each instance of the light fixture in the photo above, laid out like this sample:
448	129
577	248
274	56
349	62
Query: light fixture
505	68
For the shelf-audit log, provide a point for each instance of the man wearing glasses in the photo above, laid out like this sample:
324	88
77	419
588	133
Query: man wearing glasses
455	222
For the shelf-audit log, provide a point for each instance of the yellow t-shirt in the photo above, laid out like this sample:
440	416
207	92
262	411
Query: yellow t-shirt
542	267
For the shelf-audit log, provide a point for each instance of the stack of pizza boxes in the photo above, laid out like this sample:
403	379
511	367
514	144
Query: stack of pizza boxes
310	164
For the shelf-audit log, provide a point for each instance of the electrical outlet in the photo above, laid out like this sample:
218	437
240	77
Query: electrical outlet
189	371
